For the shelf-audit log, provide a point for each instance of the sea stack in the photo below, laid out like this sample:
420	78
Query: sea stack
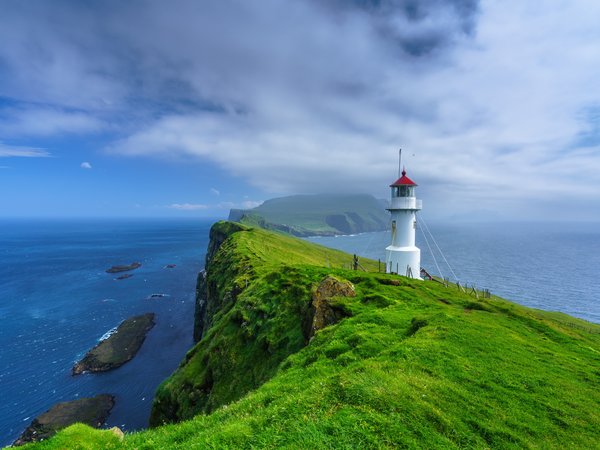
402	256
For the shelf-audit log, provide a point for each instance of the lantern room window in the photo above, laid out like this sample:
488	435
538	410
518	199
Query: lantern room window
403	191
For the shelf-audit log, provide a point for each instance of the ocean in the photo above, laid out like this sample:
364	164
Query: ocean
57	300
550	266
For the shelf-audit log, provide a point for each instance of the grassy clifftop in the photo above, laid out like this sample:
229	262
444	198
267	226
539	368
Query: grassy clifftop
322	214
382	362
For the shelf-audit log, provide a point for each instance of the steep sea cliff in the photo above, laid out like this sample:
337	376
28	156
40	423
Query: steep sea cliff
249	270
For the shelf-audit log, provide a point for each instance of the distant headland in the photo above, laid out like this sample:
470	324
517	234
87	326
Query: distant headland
317	215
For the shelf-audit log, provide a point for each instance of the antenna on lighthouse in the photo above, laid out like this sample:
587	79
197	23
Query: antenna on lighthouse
399	163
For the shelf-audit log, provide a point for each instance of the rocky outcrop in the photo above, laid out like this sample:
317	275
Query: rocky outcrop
124	276
117	432
91	411
324	310
120	347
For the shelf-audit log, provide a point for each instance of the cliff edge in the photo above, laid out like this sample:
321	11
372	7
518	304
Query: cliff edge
249	317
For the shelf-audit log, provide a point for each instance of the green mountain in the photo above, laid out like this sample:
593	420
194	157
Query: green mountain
322	214
298	352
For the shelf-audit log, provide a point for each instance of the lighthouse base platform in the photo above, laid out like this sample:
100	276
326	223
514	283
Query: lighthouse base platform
403	261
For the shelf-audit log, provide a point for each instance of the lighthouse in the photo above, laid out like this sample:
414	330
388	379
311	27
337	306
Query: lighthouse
402	256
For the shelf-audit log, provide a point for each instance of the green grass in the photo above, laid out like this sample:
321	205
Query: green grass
417	365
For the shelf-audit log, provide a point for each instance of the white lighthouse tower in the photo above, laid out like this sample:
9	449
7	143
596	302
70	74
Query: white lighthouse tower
402	256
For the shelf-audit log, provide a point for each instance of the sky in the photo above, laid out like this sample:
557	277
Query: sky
187	108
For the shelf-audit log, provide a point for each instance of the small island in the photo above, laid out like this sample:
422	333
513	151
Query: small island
91	411
124	276
124	268
120	347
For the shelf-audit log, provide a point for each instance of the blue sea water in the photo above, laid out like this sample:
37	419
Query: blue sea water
57	301
550	266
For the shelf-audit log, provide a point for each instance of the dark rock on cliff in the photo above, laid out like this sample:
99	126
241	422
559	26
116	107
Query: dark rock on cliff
118	348
207	298
200	309
91	411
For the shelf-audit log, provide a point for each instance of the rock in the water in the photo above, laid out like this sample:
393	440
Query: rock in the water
91	411
126	268
324	312
118	348
124	276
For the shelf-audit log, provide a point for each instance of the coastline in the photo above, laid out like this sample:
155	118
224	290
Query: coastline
58	311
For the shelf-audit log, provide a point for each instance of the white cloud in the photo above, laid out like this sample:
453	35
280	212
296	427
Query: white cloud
215	191
249	204
496	116
226	205
8	151
44	121
246	204
187	206
496	100
86	165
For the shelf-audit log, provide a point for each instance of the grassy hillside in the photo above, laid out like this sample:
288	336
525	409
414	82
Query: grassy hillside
323	214
409	364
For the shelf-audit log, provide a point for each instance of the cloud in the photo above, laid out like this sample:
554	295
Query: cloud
86	165
249	204
226	205
246	204
187	206
8	151
215	191
338	112
496	101
44	121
